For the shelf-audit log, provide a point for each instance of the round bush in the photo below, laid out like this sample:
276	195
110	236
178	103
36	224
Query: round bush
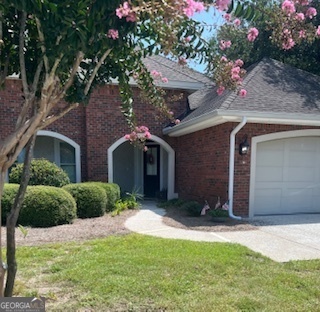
90	198
45	206
9	193
112	191
42	172
193	208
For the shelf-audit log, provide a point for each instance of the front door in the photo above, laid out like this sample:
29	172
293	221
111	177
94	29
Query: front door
151	171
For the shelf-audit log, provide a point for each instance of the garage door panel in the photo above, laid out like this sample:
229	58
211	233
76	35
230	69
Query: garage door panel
270	158
268	200
300	159
302	144
299	174
287	176
269	174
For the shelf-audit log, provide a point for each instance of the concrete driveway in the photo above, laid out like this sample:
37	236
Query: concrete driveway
281	238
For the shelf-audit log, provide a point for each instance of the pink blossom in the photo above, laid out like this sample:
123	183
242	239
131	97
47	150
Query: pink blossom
239	62
145	149
131	17
288	44
164	80
193	7
222	5
227	17
237	22
288	7
156	74
223	59
147	135
113	34
187	39
177	121
220	90
303	2
311	12
318	31
302	34
300	17
235	70
235	77
127	136
182	61
224	44
243	93
252	34
123	10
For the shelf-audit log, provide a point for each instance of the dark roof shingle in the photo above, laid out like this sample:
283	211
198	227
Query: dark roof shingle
272	87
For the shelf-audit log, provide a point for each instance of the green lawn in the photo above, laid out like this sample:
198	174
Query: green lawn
141	273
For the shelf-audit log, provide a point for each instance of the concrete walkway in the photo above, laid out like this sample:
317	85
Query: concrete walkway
289	239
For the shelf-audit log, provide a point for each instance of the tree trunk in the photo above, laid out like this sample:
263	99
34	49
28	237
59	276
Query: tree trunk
2	266
13	217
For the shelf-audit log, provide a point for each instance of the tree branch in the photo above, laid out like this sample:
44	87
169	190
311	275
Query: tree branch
50	119
43	46
74	70
95	71
21	54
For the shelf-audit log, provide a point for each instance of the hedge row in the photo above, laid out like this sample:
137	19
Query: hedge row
46	206
42	172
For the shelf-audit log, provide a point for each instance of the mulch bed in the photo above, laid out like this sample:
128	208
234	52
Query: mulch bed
179	218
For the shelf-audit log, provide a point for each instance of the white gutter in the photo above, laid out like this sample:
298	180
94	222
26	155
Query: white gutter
231	166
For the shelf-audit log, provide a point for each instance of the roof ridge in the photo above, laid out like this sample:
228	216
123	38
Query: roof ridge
233	95
181	72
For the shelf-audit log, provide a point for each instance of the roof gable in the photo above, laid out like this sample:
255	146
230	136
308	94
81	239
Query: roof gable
272	88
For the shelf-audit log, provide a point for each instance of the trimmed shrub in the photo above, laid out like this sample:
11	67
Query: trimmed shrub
113	194
42	172
193	208
112	191
45	206
91	199
9	193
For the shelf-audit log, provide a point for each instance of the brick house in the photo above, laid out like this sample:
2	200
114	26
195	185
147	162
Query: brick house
199	158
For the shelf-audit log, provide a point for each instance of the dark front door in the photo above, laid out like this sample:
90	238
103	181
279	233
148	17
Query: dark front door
151	171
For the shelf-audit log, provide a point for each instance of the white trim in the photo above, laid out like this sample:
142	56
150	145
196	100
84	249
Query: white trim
217	117
75	145
265	138
171	162
231	166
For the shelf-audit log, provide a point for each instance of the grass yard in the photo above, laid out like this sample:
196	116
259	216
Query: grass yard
142	273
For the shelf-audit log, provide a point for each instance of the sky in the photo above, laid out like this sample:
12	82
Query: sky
210	19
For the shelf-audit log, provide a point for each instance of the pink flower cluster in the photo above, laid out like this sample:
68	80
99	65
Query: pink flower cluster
158	76
230	75
113	34
289	8
252	34
126	11
225	44
193	7
140	135
222	5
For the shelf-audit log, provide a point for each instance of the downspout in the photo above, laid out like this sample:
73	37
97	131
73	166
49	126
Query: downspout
231	166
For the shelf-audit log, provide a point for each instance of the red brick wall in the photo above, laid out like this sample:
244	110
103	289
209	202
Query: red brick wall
202	163
105	125
95	127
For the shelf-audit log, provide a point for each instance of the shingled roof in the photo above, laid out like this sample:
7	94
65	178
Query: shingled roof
176	73
275	92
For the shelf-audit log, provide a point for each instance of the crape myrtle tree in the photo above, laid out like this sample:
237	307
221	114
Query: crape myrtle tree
305	55
62	49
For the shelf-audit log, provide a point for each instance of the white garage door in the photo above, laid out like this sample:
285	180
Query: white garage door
287	176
